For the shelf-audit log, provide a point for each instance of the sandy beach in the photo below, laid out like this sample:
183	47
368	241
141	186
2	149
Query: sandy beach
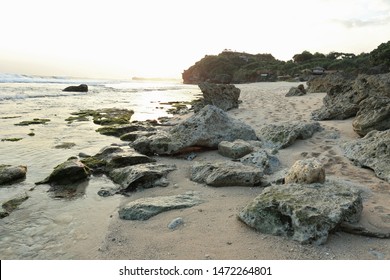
212	230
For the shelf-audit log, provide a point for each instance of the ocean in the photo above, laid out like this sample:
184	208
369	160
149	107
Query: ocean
49	227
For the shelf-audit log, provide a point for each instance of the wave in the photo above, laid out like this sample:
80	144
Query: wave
21	78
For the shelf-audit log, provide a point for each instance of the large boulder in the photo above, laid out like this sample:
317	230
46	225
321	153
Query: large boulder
67	173
225	173
282	135
79	88
10	174
305	213
323	83
343	100
371	151
145	208
207	128
220	95
306	171
374	114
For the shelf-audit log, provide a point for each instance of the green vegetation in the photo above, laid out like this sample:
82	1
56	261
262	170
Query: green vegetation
34	121
239	67
108	116
11	139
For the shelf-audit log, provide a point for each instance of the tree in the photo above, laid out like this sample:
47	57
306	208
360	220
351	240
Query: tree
381	55
303	57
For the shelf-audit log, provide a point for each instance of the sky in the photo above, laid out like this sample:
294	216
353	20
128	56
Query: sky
161	38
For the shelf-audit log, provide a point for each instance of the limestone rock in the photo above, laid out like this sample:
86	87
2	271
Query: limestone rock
132	136
296	91
69	172
371	151
9	174
374	114
207	128
323	83
225	173
79	88
306	171
12	203
224	96
305	213
235	149
145	208
261	159
121	129
285	134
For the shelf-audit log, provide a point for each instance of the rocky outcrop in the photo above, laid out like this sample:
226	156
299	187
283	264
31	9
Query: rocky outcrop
263	160
10	174
372	151
140	176
306	171
235	149
305	213
323	83
296	91
207	128
374	114
343	100
220	95
282	135
145	208
122	129
69	172
79	88
225	173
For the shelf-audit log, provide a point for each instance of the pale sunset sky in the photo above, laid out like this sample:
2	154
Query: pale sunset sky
161	38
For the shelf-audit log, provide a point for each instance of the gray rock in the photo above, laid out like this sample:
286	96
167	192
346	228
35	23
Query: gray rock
261	159
296	91
207	128
306	171
118	130
374	114
12	203
132	136
223	96
305	213
323	83
236	149
371	151
282	135
79	88
175	223
138	176
145	208
10	174
225	173
69	172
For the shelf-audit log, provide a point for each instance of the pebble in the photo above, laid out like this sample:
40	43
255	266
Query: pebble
175	223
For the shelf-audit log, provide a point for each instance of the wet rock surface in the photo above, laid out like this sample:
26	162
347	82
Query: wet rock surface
10	174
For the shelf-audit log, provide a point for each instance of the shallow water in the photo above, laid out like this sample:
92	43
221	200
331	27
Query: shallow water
45	226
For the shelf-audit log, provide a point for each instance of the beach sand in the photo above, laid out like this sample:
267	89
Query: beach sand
212	230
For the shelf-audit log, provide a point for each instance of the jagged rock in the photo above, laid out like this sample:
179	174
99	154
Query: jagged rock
132	136
371	151
79	88
131	178
306	171
69	172
10	204
374	114
343	100
207	128
261	159
145	208
282	135
323	83
220	95
296	91
235	149
9	174
225	173
305	213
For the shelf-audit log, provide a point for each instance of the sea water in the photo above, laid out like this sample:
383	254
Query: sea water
46	226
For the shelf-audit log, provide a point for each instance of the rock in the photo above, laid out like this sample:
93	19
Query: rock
132	136
305	213
105	116
225	173
119	130
131	178
236	149
306	171
343	100
374	114
282	135
220	95
79	88
371	151
69	172
261	159
296	91
10	174
175	223
9	205
145	208
323	83
207	128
